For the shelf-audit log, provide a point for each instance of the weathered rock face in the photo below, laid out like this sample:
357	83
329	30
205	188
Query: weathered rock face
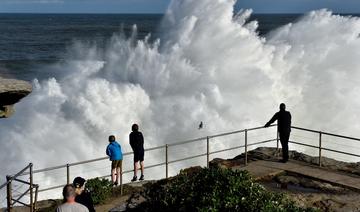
266	153
11	92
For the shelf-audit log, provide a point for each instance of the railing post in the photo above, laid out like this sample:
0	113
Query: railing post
207	151
31	188
36	195
246	156
166	161
320	147
9	193
67	174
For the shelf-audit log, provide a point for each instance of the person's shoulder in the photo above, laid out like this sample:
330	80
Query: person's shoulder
69	206
81	207
60	207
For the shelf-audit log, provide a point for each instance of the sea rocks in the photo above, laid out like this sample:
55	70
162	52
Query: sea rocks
266	153
11	92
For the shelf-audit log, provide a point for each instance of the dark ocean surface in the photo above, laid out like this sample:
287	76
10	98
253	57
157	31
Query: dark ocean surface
29	42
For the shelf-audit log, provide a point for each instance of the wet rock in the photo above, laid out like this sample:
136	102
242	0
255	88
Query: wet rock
269	153
11	92
134	201
119	208
285	179
6	111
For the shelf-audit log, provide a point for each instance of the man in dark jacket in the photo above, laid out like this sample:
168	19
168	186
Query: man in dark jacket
137	144
283	118
82	195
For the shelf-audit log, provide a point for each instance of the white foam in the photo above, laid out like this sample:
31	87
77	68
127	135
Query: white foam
209	65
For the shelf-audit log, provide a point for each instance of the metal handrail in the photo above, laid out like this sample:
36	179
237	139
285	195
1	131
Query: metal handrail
326	133
67	166
15	176
147	150
9	196
207	154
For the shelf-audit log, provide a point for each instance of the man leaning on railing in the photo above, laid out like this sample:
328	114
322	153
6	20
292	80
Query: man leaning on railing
283	118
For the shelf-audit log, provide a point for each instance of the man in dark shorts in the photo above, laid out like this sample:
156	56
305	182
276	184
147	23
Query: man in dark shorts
137	144
113	150
283	118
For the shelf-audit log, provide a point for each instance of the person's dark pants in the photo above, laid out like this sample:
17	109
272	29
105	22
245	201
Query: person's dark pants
284	140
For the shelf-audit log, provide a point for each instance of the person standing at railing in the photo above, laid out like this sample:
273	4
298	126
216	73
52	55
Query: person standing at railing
283	118
113	150
136	139
83	196
69	204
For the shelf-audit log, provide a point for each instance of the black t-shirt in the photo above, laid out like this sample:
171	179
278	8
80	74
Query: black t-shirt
85	199
136	141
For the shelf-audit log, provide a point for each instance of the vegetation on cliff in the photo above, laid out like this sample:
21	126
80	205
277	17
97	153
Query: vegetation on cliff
213	190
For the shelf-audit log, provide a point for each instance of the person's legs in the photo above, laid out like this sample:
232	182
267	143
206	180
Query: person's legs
118	171
287	135
136	160
113	175
135	168
284	139
141	161
142	167
113	171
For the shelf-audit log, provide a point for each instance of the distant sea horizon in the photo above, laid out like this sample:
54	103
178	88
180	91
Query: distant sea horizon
31	41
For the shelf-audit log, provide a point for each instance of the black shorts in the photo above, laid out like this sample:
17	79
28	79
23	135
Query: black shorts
139	156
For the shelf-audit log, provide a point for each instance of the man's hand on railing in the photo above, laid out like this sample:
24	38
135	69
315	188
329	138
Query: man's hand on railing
267	125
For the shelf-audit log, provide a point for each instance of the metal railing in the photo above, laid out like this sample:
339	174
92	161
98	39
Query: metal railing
320	144
208	153
167	162
11	199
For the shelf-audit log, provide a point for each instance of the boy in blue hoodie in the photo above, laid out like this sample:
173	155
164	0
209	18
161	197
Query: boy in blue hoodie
113	150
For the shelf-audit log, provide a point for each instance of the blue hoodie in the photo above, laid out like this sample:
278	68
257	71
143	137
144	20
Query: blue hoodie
113	150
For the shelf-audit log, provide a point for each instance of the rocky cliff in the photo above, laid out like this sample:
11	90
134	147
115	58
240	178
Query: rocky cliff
11	92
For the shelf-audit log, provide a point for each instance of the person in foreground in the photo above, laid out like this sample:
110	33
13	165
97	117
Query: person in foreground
82	195
137	144
283	118
69	204
113	150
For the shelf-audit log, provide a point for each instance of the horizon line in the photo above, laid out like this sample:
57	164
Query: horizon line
146	13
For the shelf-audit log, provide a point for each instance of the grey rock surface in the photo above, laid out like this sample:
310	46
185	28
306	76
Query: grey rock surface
11	92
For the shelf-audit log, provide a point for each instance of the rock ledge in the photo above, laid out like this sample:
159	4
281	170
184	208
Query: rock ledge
11	92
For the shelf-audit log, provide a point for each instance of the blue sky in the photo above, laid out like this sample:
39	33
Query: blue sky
159	6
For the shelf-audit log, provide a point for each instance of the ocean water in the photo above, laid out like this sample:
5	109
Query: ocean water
202	62
28	42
